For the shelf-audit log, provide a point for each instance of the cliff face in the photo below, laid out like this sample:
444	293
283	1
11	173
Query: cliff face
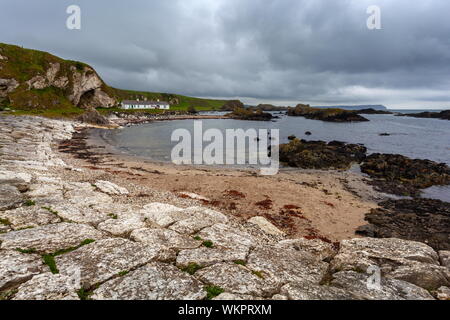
31	79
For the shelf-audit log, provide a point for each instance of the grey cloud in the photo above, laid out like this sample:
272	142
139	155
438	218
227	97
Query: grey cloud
283	51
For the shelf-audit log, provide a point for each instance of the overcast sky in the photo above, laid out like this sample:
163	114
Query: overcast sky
283	51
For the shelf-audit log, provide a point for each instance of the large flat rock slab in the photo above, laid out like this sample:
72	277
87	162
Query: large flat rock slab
10	197
48	286
49	238
103	259
16	268
79	213
410	261
389	289
223	235
238	279
162	214
123	226
199	218
287	265
29	217
165	238
20	180
307	291
110	188
155	281
207	256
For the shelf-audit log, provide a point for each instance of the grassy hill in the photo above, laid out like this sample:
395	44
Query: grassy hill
30	83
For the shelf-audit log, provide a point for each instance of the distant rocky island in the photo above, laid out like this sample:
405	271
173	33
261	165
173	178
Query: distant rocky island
329	115
378	107
444	115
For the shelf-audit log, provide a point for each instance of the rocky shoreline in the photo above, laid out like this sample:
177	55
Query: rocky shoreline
73	233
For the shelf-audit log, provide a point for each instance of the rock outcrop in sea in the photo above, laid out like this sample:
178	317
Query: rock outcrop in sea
329	115
67	238
321	155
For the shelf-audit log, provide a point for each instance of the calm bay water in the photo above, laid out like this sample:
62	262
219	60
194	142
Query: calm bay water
411	137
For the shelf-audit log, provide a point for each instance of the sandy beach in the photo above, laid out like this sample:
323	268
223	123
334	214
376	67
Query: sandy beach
303	203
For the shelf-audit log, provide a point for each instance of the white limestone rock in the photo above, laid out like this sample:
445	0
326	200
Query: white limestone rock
110	188
226	296
199	218
48	286
226	236
154	281
103	259
79	213
123	226
443	293
238	279
20	180
286	265
389	289
46	193
164	238
208	256
266	226
445	258
318	248
306	291
29	217
10	197
16	268
410	261
49	238
162	214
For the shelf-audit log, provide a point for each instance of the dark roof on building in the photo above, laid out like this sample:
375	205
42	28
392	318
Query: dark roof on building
143	103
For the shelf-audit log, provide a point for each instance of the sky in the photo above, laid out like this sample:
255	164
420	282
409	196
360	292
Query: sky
283	52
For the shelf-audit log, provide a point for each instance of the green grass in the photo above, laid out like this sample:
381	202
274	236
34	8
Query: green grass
5	222
259	274
84	294
208	244
50	210
213	291
240	262
123	273
27	251
113	216
7	295
191	268
49	259
198	238
29	203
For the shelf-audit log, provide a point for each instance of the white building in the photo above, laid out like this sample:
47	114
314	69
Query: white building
136	104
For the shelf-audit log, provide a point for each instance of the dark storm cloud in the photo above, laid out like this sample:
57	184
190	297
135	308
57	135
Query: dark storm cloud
283	51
